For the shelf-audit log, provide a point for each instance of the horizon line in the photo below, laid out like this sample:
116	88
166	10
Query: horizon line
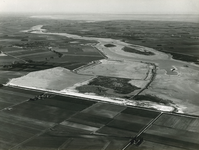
93	13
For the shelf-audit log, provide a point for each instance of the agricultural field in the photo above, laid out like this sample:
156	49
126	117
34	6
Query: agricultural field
19	123
68	84
12	96
68	122
6	60
174	130
75	58
93	128
5	76
31	51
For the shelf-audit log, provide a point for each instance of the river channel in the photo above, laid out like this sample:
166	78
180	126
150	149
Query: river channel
162	60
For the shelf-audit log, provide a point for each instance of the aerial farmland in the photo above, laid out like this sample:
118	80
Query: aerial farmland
99	81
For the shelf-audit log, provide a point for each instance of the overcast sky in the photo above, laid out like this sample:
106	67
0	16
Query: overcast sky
102	6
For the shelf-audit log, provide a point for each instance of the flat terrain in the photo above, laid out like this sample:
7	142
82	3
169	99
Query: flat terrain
36	52
62	122
174	130
98	85
51	79
163	65
174	69
5	76
161	35
182	89
109	87
129	70
5	60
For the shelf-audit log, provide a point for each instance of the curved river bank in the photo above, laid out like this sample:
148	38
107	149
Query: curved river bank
162	60
175	83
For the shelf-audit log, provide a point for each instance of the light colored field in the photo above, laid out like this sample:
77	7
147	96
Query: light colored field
61	80
182	89
130	70
139	83
37	28
74	42
79	126
2	54
51	79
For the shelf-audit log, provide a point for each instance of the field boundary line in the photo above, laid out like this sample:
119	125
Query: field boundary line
32	137
149	125
16	57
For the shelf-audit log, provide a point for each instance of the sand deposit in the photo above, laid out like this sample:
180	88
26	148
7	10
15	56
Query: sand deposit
121	69
52	79
2	54
181	89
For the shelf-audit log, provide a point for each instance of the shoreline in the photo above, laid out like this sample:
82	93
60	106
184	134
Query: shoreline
163	61
115	100
103	41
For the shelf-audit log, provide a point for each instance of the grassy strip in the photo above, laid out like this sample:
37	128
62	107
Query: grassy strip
100	84
152	98
109	45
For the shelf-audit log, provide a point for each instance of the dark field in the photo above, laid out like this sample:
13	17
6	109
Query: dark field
6	60
76	58
20	69
131	50
109	45
6	75
184	57
12	96
72	123
101	85
179	122
174	130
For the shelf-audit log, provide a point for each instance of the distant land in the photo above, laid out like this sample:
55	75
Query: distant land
106	17
111	82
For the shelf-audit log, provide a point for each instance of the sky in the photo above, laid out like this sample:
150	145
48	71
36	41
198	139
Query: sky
102	6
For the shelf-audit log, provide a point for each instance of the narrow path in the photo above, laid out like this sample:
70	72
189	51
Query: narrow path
103	55
131	142
15	57
10	107
149	83
31	138
149	125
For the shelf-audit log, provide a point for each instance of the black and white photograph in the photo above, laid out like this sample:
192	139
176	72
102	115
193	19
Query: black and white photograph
99	74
